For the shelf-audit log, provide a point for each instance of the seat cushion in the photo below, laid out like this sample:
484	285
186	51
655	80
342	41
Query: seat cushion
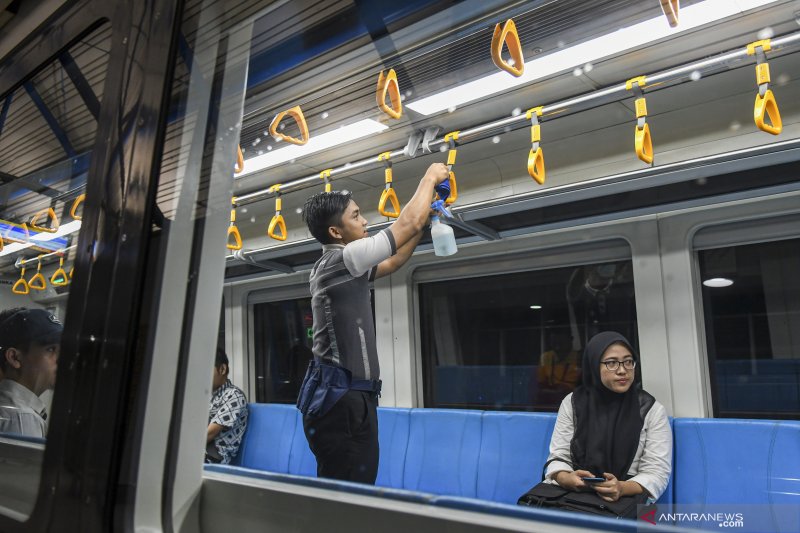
267	441
393	441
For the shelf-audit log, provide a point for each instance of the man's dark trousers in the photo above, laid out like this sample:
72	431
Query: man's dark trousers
345	439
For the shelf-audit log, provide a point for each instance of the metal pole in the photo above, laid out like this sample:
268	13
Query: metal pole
20	262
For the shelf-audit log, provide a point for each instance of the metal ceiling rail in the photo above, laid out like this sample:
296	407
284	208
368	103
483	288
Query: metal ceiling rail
615	92
20	262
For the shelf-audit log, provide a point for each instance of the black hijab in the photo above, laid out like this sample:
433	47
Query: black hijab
607	423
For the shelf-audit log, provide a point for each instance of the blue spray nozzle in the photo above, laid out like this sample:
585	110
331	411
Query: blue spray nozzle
443	190
440	207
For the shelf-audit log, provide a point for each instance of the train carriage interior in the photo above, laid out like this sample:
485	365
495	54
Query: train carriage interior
609	170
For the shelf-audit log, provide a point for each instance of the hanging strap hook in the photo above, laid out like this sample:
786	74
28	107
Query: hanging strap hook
277	222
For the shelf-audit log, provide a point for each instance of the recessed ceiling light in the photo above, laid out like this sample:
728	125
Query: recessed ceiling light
718	282
536	307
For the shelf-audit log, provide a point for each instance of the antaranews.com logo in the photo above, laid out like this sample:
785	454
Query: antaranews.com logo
716	517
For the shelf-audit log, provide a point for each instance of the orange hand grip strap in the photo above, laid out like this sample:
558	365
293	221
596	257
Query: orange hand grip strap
233	230
388	84
239	166
277	222
59	277
297	114
508	34
51	214
766	106
536	165
71	271
453	189
74	209
37	281
671	10
1	244
388	195
21	286
644	144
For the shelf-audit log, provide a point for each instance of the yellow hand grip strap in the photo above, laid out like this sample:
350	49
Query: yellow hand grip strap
277	221
73	212
388	84
71	271
2	245
508	34
21	286
388	195
764	44
51	214
766	106
326	176
536	165
671	10
59	277
9	235
37	281
297	114
239	166
453	189
233	231
644	144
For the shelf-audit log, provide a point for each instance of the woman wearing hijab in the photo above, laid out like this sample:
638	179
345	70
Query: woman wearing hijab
611	428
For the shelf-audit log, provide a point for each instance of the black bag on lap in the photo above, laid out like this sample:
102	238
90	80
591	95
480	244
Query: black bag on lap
553	496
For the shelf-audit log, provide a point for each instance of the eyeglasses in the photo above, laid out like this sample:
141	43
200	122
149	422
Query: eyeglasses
612	365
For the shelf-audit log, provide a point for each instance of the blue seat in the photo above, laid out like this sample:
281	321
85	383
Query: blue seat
393	427
754	462
514	447
443	451
301	461
267	442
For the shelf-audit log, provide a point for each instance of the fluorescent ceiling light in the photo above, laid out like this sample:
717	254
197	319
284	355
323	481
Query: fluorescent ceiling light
63	229
42	239
536	307
316	143
586	52
718	282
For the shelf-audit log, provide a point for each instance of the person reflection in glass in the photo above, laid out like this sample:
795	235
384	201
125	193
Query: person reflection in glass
29	344
559	369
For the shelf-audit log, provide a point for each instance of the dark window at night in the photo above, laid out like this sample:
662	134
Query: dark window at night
751	302
514	341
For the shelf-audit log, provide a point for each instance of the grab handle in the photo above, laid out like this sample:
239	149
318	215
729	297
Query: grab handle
59	277
388	84
536	168
297	114
388	194
37	281
277	222
766	107
451	139
671	10
325	175
642	141
51	214
508	34
239	166
21	286
73	212
233	231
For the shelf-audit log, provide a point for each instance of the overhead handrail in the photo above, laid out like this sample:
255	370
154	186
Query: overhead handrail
73	212
765	106
277	221
51	215
297	114
536	156
233	231
671	10
239	166
388	84
59	277
683	73
508	35
451	139
21	286
326	176
37	281
388	194
643	142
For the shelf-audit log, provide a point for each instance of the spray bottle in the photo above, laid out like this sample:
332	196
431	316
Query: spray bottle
444	240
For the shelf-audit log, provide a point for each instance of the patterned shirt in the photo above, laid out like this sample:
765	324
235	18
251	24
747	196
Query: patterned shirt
229	410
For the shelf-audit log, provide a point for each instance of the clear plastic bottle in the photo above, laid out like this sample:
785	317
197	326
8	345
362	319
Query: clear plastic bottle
444	241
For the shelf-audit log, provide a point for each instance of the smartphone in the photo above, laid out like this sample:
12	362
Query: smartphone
593	479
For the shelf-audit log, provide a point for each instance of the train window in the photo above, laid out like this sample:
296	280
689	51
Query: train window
513	341
47	130
751	306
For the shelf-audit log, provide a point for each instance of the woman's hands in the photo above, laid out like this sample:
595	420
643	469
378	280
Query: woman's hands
610	490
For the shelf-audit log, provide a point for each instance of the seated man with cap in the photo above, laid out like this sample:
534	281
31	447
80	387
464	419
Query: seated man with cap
29	346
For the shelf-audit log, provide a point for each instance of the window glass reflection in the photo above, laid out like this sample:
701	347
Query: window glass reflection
514	341
751	304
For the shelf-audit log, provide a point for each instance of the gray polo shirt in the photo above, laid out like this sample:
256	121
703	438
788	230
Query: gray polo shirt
21	411
344	328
